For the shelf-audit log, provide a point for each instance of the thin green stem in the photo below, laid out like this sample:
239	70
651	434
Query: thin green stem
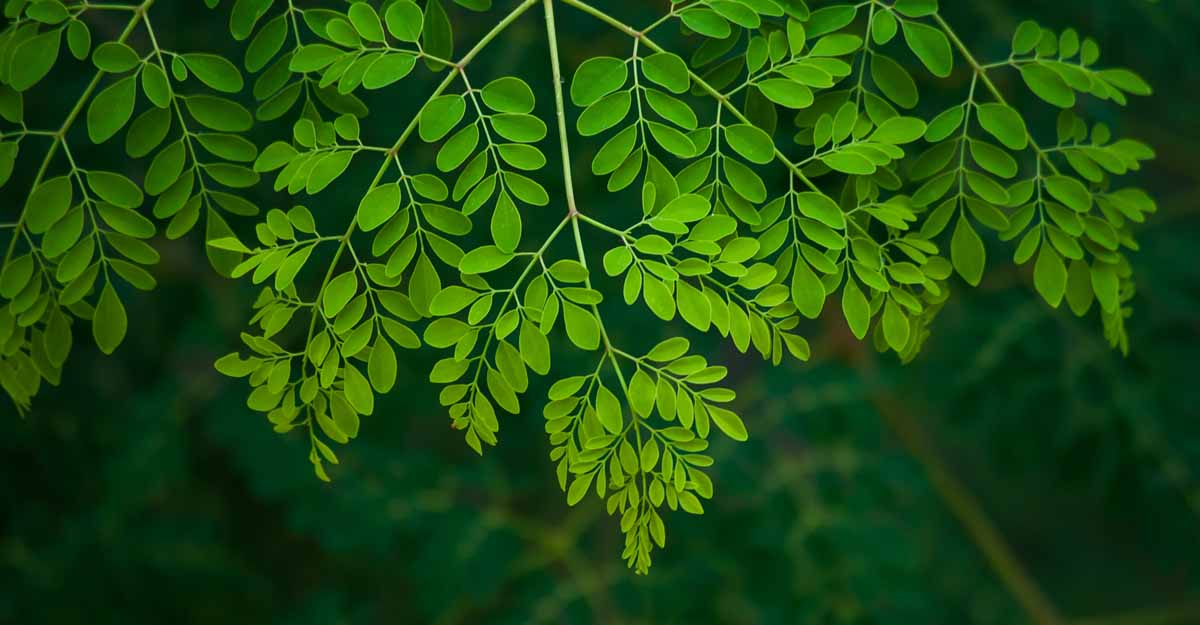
560	108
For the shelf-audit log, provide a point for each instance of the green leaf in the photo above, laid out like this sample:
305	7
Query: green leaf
508	95
579	488
993	159
32	59
437	35
328	169
894	81
856	309
807	291
156	86
1046	84
1026	37
608	410
115	57
519	127
388	69
582	327
838	44
506	224
1069	191
642	391
381	367
526	157
313	57
1107	286
1050	276
360	397
1005	124
819	207
48	203
378	206
931	46
484	260
786	92
673	109
266	44
79	39
895	325
604	113
615	151
751	142
693	306
219	114
111	109
458	148
440	116
596	78
115	189
214	71
166	168
126	221
48	11
729	423
452	300
1126	80
745	182
526	189
366	21
617	260
424	285
16	274
706	22
668	70
967	252
899	130
1079	287
339	292
945	124
109	323
404	20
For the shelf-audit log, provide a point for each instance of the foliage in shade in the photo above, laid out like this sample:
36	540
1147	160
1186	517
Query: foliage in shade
784	166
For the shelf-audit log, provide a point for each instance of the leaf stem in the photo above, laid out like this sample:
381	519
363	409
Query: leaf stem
560	108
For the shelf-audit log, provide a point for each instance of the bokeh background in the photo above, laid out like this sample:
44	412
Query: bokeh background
144	491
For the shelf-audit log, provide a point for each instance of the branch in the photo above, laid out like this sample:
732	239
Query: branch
970	513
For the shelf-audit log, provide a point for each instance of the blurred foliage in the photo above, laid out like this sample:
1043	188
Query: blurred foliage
143	490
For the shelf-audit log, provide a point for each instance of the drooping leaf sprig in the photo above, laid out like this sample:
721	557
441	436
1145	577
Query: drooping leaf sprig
79	232
779	158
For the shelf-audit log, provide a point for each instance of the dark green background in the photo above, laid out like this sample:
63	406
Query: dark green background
144	491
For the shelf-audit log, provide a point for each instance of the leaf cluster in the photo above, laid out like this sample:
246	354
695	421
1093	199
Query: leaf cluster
780	159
